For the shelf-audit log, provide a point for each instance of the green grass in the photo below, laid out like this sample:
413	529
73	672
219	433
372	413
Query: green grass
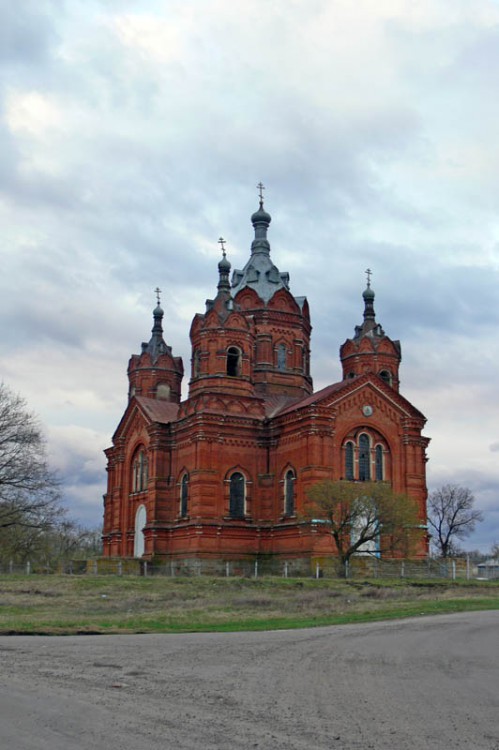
108	604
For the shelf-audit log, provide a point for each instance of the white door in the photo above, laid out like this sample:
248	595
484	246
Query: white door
140	522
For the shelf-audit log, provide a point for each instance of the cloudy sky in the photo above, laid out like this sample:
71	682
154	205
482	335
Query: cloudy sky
133	134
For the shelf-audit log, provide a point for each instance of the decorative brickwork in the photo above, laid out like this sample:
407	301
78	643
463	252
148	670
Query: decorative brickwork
223	475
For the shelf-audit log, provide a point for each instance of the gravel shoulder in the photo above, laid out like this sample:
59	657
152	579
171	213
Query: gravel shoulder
402	685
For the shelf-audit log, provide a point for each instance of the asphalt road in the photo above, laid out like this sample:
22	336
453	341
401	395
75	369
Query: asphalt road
405	685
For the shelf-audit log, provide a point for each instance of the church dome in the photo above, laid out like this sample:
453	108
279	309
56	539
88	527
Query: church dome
261	216
368	293
224	265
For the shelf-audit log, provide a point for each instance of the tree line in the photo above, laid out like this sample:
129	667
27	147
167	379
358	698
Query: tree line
34	525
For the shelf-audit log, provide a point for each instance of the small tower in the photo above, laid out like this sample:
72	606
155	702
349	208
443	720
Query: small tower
371	350
222	343
155	372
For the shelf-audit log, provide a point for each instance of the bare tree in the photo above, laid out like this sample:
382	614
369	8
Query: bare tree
451	516
362	517
29	490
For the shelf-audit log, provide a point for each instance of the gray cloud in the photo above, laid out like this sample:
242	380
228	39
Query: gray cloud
130	141
27	31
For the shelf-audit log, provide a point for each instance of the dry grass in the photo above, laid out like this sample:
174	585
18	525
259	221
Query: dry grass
71	604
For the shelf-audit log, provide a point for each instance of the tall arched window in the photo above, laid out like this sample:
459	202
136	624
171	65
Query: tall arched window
237	495
196	364
367	456
364	458
306	361
233	362
184	495
289	493
139	472
378	454
281	357
349	466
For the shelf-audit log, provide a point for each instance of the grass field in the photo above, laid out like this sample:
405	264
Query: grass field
108	604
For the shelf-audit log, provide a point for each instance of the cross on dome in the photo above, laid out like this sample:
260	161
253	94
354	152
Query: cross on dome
222	242
261	188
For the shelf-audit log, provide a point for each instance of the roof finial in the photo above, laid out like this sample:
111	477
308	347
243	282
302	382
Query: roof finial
158	298
223	270
222	242
261	188
368	273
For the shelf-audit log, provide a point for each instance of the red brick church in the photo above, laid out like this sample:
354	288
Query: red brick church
223	474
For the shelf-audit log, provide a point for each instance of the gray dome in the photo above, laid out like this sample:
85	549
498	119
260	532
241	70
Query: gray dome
261	216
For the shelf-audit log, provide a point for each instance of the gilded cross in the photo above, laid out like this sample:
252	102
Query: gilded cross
261	188
158	292
369	274
222	242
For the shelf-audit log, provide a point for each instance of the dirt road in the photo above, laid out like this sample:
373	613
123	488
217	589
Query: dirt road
405	685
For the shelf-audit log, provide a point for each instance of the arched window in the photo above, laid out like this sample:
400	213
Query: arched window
367	456
140	473
237	495
364	458
349	466
196	364
306	361
378	455
386	376
184	495
233	362
289	493
163	392
281	357
140	522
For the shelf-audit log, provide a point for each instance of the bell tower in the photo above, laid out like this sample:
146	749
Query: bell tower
370	349
281	363
222	343
155	372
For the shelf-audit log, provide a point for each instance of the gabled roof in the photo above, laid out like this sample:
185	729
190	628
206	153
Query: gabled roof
344	387
329	390
152	409
157	410
276	404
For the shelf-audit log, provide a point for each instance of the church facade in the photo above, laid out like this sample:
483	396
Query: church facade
223	475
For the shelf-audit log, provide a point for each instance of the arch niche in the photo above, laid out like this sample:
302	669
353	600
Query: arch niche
140	522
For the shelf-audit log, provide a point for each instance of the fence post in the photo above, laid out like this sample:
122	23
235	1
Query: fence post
11	566
227	568
285	570
145	568
28	568
347	568
95	570
256	568
402	569
120	568
172	569
70	567
317	570
468	576
453	570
